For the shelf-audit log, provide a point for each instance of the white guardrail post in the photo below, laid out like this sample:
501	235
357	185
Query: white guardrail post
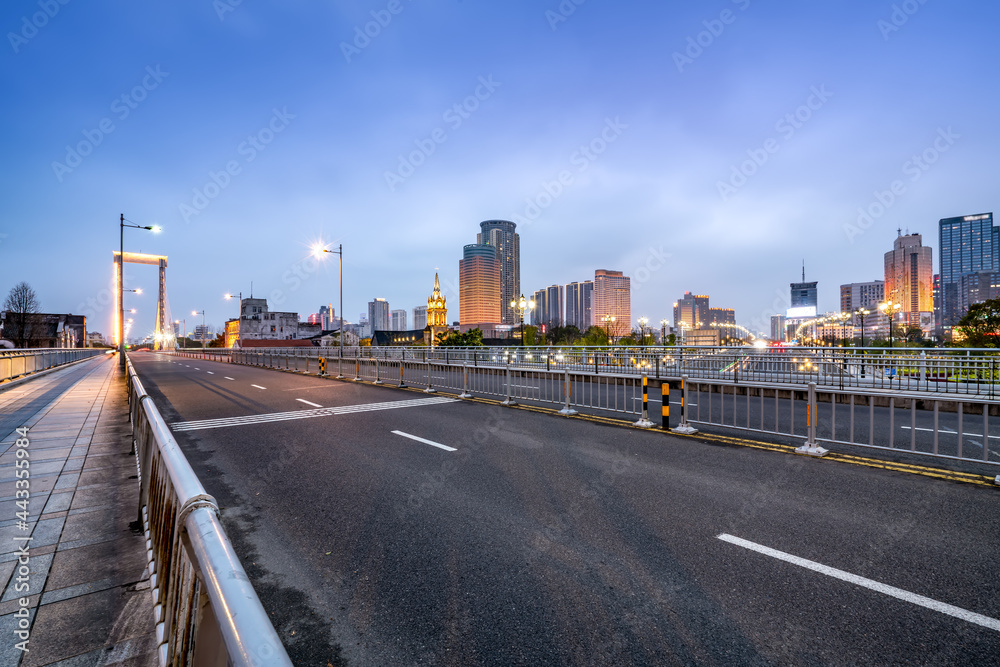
465	382
508	400
811	447
430	388
567	388
684	428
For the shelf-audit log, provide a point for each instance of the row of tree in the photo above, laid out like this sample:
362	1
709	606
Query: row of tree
568	335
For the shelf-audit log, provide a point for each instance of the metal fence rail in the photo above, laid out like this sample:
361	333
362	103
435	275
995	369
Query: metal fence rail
929	424
944	427
15	363
932	370
206	611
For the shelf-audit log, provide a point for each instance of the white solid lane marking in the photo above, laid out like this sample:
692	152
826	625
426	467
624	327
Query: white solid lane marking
227	377
426	442
258	386
307	414
967	434
210	372
870	584
302	400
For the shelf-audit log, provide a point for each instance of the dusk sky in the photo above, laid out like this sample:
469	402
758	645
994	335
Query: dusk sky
708	146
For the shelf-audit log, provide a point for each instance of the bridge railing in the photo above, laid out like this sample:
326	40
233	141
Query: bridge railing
206	611
912	420
15	363
956	371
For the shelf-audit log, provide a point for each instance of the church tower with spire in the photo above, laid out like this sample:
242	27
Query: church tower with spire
437	314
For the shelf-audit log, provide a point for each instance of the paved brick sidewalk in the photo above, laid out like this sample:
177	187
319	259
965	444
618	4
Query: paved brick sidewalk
89	592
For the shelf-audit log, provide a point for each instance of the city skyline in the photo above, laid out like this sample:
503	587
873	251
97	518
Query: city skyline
652	139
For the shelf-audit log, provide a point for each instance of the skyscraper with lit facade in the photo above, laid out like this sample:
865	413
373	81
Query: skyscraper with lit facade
613	299
580	304
500	234
968	244
909	281
479	287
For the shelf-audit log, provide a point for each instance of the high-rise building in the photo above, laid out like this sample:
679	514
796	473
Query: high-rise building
937	301
691	311
977	287
328	319
397	320
556	300
613	299
968	244
803	298
479	287
861	295
778	328
580	304
909	280
501	235
378	315
539	308
420	317
721	316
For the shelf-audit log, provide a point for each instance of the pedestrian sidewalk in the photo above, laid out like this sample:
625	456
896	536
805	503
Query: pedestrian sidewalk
87	585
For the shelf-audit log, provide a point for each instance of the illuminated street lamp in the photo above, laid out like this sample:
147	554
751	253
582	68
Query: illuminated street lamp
521	305
609	322
121	282
319	250
642	321
890	308
663	332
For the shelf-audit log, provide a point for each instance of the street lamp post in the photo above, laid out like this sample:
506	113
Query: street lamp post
318	251
239	313
890	308
521	305
202	313
609	322
642	321
861	312
121	283
663	332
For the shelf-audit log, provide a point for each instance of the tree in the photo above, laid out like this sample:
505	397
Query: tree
471	338
220	341
21	308
566	335
595	336
980	327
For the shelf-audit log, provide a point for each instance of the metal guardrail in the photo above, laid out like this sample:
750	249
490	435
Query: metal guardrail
206	612
928	424
15	363
944	427
933	370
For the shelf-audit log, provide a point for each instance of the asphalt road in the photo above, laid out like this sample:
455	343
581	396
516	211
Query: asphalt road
547	541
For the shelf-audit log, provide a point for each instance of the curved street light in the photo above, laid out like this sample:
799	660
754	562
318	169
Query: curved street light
121	282
319	252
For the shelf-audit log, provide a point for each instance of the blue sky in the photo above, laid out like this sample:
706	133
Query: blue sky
249	130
